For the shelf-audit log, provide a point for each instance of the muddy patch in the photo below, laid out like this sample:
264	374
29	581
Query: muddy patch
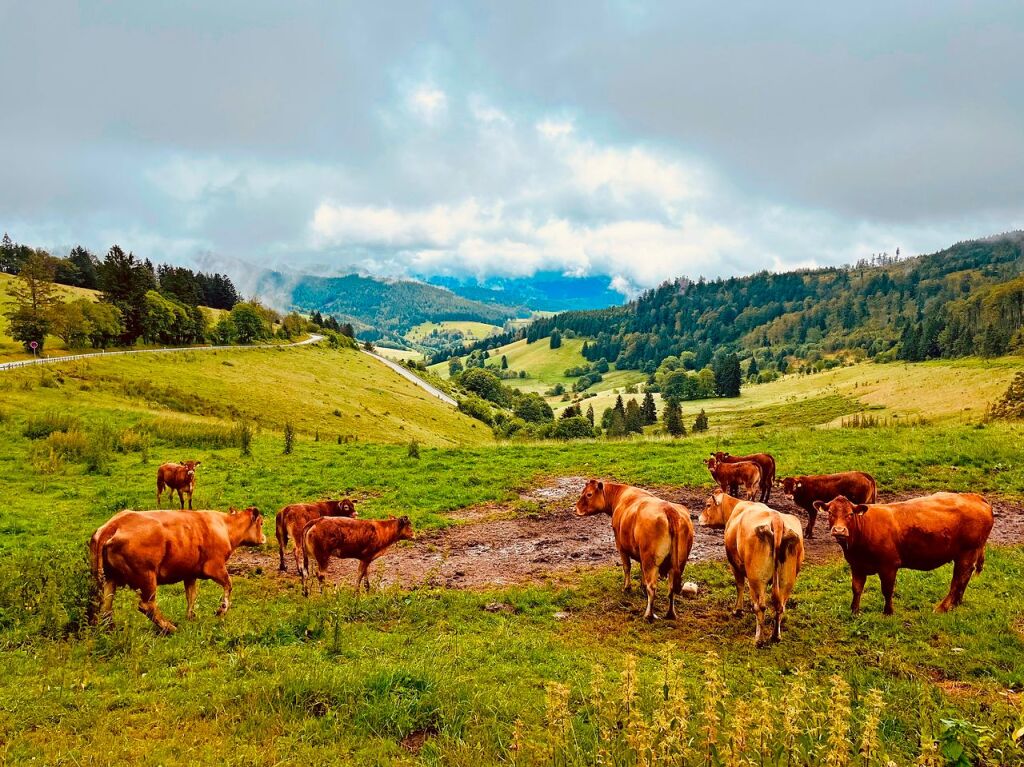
540	540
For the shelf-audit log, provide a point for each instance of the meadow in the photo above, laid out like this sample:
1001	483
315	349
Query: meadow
470	330
560	671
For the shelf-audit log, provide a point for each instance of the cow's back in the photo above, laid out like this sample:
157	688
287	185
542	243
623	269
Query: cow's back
340	536
640	517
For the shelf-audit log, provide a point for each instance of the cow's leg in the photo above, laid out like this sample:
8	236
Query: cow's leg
148	607
627	569
191	592
962	570
181	499
675	586
812	515
221	578
190	500
361	576
649	568
888	579
757	597
106	613
858	580
741	579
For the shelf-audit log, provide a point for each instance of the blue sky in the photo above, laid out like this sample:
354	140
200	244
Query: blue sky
639	141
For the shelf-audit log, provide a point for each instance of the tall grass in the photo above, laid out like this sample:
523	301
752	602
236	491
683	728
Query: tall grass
181	433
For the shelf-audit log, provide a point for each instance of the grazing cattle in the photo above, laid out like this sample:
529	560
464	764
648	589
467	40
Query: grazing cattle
180	477
144	549
805	489
655	533
764	547
292	519
730	476
765	462
362	539
919	534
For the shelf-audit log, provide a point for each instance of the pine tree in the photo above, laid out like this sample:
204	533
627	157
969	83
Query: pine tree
504	362
556	339
649	409
590	414
35	299
701	422
752	369
673	416
619	407
634	418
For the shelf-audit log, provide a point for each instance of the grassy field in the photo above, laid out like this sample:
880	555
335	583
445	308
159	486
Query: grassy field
559	673
471	331
399	354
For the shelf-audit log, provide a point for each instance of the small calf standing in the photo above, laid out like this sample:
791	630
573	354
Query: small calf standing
764	548
745	474
807	489
362	539
765	462
292	520
180	477
144	549
920	534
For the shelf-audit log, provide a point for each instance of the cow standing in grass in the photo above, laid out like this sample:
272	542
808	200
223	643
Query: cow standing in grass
146	549
177	477
731	476
807	489
765	549
292	520
919	534
656	533
765	463
362	539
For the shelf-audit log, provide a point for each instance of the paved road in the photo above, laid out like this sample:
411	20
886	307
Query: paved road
313	338
433	391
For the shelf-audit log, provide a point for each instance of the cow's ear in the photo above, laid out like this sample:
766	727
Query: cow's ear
600	486
197	463
860	508
799	485
819	505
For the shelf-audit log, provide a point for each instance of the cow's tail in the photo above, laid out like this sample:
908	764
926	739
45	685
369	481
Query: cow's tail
678	550
303	541
99	577
873	498
160	487
281	532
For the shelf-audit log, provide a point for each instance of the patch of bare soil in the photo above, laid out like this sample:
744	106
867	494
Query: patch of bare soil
498	545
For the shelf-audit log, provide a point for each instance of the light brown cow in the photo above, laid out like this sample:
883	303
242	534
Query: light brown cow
745	474
656	533
362	539
919	534
765	462
764	547
292	520
180	477
144	549
805	489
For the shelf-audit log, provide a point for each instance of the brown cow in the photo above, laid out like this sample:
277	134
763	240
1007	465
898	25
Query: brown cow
655	533
292	520
180	477
765	462
144	549
920	534
764	547
805	489
362	539
733	475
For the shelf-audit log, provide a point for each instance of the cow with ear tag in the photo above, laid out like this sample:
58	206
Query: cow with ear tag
806	489
919	534
656	533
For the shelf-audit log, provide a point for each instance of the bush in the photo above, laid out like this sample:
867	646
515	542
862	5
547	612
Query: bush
41	426
69	445
576	427
243	432
180	433
414	449
476	408
43	593
289	438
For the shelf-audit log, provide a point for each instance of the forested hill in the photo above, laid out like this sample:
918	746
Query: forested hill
388	306
967	299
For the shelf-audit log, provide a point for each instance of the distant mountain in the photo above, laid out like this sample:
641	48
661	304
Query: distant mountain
544	291
388	306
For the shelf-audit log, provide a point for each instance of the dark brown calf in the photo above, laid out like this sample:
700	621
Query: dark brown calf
734	475
765	462
807	489
362	539
180	477
292	520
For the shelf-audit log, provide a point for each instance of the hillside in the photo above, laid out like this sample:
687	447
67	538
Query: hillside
378	306
336	393
544	291
963	300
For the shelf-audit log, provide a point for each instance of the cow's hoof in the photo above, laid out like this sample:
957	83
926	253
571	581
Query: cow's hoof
651	618
737	613
168	629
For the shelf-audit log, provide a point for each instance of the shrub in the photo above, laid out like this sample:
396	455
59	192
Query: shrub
289	438
41	426
576	427
69	445
414	449
243	432
181	433
476	408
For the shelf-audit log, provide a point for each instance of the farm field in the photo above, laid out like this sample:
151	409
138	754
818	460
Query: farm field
472	668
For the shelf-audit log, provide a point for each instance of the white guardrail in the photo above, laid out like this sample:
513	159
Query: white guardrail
313	338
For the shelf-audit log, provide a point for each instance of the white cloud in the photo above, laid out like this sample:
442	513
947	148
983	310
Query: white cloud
555	129
428	102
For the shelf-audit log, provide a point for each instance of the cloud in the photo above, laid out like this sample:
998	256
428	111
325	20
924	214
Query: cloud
555	129
429	103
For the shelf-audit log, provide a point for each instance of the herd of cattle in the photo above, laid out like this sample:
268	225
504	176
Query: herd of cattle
764	547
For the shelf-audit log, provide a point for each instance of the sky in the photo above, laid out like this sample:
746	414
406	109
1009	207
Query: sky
477	140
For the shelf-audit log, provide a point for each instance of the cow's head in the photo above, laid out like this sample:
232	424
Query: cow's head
592	500
343	508
253	535
789	485
711	463
190	468
720	456
713	514
842	516
405	531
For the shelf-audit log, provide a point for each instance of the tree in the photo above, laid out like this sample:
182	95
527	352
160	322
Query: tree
649	409
224	331
616	423
701	422
348	330
34	298
533	409
71	324
620	408
590	414
86	268
504	362
728	376
752	369
576	427
454	366
634	418
485	384
125	281
105	321
556	339
673	416
249	323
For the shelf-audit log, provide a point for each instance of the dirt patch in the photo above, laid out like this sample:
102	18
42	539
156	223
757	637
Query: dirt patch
413	742
499	545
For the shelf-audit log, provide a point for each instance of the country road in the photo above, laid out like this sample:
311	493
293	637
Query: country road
431	390
313	338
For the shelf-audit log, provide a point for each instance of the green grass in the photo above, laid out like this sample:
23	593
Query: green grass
283	680
471	331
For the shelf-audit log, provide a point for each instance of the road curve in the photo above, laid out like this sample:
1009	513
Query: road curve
313	338
433	391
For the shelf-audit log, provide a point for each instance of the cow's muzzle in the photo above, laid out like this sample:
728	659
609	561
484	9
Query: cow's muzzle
841	534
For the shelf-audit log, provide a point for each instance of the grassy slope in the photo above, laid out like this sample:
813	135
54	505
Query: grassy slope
303	385
283	680
470	330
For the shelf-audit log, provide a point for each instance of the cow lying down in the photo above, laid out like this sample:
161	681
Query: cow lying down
764	547
146	549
